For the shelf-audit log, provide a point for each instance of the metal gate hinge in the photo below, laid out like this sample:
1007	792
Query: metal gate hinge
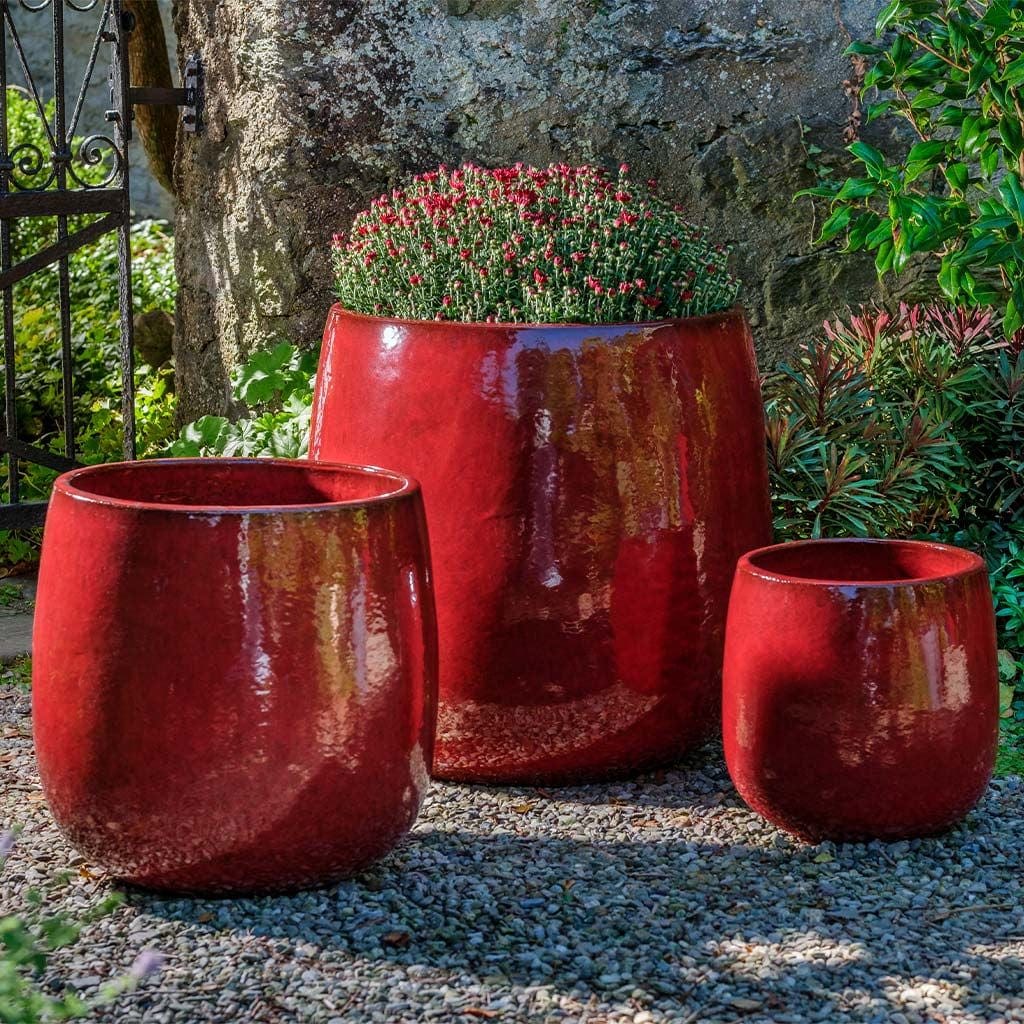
189	97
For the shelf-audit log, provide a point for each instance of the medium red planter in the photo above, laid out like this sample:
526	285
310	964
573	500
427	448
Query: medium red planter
861	692
588	489
234	676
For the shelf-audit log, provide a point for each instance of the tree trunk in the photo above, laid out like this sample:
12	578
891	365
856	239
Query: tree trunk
316	107
150	67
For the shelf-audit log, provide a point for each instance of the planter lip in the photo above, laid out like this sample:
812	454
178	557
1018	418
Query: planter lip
719	316
963	563
67	484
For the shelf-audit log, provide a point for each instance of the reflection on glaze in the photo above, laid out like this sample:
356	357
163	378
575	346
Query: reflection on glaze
588	491
235	702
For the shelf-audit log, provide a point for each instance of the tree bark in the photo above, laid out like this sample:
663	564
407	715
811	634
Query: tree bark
314	108
150	67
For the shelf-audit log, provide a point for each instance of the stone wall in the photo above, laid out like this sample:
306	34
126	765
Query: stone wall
315	107
35	28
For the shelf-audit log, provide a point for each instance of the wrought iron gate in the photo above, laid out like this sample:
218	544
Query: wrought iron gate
61	183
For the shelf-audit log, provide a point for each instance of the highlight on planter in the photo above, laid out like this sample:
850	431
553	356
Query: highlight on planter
860	692
241	696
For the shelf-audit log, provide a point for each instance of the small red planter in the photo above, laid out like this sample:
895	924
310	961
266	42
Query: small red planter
860	688
588	489
234	670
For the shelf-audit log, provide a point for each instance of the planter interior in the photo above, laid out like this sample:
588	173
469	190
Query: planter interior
242	484
862	561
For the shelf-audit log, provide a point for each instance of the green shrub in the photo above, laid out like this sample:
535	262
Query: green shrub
278	388
907	426
27	940
953	70
526	244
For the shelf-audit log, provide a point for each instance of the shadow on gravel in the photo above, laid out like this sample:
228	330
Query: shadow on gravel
724	929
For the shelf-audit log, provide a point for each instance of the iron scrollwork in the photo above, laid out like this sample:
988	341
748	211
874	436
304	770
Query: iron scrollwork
79	158
94	151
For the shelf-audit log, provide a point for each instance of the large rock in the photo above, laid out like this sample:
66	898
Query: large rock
313	108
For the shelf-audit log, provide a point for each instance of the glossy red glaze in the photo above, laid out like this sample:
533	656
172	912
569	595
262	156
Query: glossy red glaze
234	678
588	491
860	689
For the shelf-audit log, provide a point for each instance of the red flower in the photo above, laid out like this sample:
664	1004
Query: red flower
513	231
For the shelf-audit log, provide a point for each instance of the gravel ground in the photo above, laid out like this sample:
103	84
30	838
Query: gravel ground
658	900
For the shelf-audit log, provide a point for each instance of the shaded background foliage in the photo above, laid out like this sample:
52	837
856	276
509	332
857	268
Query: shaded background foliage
95	341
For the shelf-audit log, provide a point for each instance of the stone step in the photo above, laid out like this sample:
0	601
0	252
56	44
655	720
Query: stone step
17	603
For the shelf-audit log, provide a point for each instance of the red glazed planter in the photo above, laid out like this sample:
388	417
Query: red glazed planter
234	677
588	489
861	693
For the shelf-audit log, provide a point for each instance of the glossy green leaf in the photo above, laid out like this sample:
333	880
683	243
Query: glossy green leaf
835	224
1011	134
856	188
1013	195
871	157
957	175
1014	318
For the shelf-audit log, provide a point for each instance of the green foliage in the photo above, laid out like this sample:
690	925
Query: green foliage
17	673
11	596
26	941
898	426
1010	758
907	426
93	273
278	388
524	244
954	71
1002	546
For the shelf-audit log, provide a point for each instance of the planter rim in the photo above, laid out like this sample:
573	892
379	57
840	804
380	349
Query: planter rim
67	484
733	312
962	563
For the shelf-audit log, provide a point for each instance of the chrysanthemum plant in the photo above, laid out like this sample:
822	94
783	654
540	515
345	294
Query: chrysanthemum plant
521	244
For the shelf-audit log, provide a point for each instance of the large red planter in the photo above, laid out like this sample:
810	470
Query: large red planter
860	689
234	669
588	490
